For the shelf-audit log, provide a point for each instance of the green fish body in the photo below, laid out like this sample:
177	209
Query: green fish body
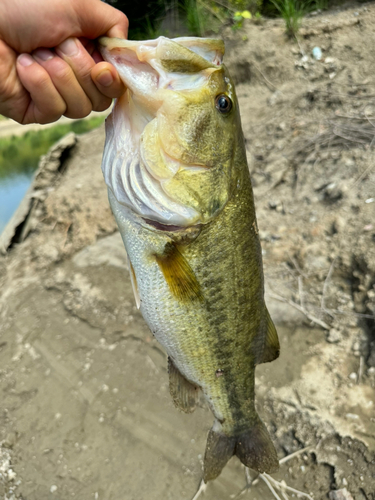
180	189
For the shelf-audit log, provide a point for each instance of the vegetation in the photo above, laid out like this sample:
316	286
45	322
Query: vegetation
153	18
292	11
21	154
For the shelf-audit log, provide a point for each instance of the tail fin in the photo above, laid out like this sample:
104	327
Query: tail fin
254	448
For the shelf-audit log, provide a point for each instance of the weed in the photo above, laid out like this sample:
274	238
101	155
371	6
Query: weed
292	11
196	17
321	4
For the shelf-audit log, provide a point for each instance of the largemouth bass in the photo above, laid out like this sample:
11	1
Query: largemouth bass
179	187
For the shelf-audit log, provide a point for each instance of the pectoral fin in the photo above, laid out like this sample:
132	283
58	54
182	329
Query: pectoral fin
184	394
134	283
271	348
178	274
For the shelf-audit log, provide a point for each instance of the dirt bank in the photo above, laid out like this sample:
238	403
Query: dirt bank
85	410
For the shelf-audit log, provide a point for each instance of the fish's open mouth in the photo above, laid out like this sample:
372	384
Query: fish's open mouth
163	227
155	160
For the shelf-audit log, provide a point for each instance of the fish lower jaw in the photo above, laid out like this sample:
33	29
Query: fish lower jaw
170	227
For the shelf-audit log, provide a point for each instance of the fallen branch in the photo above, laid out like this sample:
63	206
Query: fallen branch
295	454
283	486
300	309
265	477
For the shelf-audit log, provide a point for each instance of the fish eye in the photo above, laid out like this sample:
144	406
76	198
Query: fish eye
223	103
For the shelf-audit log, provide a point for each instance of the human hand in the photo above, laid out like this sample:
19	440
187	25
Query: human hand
39	84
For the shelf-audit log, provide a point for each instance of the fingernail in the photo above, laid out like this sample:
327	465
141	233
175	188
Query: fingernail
25	60
69	47
105	78
43	54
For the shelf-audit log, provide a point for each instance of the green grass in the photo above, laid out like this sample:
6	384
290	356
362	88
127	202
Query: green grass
292	11
21	154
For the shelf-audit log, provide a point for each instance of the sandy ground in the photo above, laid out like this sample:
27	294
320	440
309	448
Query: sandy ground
85	410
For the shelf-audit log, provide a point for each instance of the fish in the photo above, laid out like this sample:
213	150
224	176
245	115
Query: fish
179	187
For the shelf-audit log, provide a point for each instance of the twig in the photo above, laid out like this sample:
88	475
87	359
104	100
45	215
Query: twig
227	6
360	370
253	482
295	454
284	486
300	46
284	495
248	477
300	291
202	488
361	176
205	6
265	479
264	77
325	286
301	309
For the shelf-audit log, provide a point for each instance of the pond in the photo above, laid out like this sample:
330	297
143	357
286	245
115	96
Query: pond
19	157
12	190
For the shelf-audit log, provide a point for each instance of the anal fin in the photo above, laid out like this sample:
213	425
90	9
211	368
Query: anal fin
271	348
185	395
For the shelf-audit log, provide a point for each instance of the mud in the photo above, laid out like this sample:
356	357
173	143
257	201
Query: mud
85	409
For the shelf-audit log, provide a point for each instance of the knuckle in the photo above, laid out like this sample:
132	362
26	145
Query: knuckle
77	112
103	104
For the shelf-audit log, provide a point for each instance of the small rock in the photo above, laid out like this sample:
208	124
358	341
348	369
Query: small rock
349	163
275	98
273	204
317	53
334	336
338	225
340	495
332	192
53	488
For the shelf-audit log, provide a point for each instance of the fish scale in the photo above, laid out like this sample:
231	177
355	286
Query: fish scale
199	284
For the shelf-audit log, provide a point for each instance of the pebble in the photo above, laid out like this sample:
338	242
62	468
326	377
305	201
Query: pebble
53	488
317	53
340	495
334	336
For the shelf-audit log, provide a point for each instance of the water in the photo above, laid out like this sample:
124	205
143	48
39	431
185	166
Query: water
12	189
19	156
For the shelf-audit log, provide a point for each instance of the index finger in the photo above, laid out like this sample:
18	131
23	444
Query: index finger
97	18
